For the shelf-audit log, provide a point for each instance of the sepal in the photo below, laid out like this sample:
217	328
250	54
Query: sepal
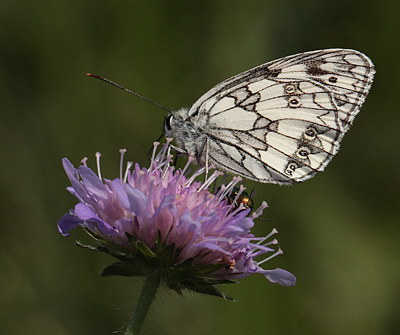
126	269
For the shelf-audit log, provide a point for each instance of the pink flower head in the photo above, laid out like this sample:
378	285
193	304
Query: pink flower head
159	219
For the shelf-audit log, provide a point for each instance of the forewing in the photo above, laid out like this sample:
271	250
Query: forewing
283	121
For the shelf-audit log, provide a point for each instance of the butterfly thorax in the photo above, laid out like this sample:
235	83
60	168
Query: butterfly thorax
186	134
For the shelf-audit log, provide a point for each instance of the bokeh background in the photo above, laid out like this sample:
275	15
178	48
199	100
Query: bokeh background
340	231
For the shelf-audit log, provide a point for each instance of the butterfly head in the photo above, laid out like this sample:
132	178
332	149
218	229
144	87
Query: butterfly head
168	125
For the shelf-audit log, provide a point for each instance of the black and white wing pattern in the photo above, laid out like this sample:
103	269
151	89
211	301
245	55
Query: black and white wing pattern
281	122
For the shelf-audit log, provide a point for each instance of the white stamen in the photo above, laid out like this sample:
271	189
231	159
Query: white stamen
121	162
221	191
241	189
273	232
159	161
279	252
229	190
155	145
83	161
195	174
127	171
221	182
231	213
98	154
163	151
167	165
207	166
210	180
217	197
259	210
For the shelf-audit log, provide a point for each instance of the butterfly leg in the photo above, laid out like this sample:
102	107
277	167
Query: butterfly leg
207	150
204	146
178	150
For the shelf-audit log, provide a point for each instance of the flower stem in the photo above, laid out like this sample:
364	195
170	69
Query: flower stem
144	302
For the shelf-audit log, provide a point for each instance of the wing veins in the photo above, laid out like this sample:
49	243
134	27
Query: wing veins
257	158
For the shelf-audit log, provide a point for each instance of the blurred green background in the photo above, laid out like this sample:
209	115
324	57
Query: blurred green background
340	231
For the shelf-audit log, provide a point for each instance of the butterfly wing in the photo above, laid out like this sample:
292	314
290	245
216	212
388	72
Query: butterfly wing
282	122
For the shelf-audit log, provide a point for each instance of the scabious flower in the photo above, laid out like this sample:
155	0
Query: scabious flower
161	220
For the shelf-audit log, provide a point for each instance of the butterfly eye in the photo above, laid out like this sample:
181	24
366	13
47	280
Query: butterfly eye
290	89
167	123
303	152
310	134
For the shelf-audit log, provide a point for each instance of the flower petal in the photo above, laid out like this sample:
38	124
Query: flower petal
279	276
68	222
86	214
93	184
73	177
132	199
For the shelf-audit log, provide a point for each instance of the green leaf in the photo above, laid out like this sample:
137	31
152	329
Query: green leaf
166	256
205	289
158	244
104	242
125	257
127	269
132	240
85	246
144	250
186	264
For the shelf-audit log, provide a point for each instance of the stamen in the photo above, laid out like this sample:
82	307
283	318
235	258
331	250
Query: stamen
274	241
273	232
279	252
221	191
167	166
155	145
84	160
259	211
127	171
196	173
229	213
98	154
159	161
165	163
121	163
225	175
163	151
241	189
210	180
217	197
226	189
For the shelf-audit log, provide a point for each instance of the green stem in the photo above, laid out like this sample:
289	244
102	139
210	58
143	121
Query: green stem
144	302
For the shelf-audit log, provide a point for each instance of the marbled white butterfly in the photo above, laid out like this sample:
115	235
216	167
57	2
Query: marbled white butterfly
281	122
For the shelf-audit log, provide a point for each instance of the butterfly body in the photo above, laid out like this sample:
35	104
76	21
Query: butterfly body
281	122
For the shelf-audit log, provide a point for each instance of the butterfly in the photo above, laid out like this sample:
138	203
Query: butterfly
280	122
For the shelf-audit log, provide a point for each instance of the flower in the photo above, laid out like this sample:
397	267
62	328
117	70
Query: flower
163	220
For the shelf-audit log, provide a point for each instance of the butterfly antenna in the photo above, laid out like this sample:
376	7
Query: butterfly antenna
126	90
